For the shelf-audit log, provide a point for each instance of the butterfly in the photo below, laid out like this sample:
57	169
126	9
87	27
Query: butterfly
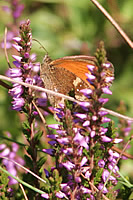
67	74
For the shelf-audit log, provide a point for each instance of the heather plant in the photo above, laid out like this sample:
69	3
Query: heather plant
74	157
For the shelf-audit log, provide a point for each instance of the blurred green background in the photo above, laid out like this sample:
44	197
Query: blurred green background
72	27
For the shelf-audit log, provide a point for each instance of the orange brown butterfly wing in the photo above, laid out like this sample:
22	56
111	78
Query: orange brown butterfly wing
63	75
75	64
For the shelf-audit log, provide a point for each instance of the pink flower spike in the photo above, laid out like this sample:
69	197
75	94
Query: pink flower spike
68	165
86	123
5	152
54	126
91	67
83	161
117	140
101	163
26	55
105	119
103	100
45	195
86	91
109	79
92	134
2	146
61	195
17	39
63	140
33	57
49	151
100	187
90	76
106	139
85	190
17	58
106	90
106	65
81	115
84	104
102	113
17	47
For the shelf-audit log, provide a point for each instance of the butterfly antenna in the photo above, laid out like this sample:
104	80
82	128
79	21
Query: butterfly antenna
41	45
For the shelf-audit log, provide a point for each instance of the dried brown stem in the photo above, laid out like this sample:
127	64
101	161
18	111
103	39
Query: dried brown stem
113	22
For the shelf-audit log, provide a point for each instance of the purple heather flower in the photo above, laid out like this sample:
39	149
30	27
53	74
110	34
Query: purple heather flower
83	161
106	90
54	126
2	146
6	9
86	91
49	151
16	39
46	173
52	143
61	132
91	67
117	140
45	195
87	174
36	67
92	134
81	140
63	140
53	136
18	9
85	190
17	64
103	130
81	115
106	139
10	166
100	187
42	102
16	91
26	55
14	72
102	113
77	179
17	58
67	151
101	163
94	117
29	80
112	167
68	165
105	174
103	100
111	159
109	79
86	123
17	47
84	104
105	119
18	103
61	195
113	153
65	187
5	152
80	151
33	57
90	77
106	65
